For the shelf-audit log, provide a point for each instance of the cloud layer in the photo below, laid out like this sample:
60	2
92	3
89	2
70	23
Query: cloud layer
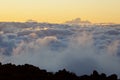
57	46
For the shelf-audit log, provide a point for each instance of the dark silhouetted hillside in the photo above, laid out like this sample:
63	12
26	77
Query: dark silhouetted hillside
30	72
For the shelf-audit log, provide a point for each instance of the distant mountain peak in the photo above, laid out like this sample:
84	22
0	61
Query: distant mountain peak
78	21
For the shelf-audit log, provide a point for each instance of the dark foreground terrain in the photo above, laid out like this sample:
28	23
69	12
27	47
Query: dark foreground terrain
30	72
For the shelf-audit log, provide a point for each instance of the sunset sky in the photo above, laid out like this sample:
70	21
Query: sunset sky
59	11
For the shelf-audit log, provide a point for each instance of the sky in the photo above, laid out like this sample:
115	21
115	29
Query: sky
59	11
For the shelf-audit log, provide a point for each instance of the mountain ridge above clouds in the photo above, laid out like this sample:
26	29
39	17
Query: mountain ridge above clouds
78	21
84	23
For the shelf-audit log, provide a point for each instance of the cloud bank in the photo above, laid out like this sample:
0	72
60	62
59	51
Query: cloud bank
57	46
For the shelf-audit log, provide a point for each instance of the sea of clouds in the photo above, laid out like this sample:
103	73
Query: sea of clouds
77	48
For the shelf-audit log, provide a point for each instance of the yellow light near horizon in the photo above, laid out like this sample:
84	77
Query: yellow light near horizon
58	11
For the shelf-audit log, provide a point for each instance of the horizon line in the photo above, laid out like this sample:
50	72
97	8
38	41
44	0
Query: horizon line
32	20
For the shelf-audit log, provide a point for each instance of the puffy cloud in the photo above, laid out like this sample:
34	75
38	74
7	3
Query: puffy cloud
33	35
113	48
19	48
46	40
